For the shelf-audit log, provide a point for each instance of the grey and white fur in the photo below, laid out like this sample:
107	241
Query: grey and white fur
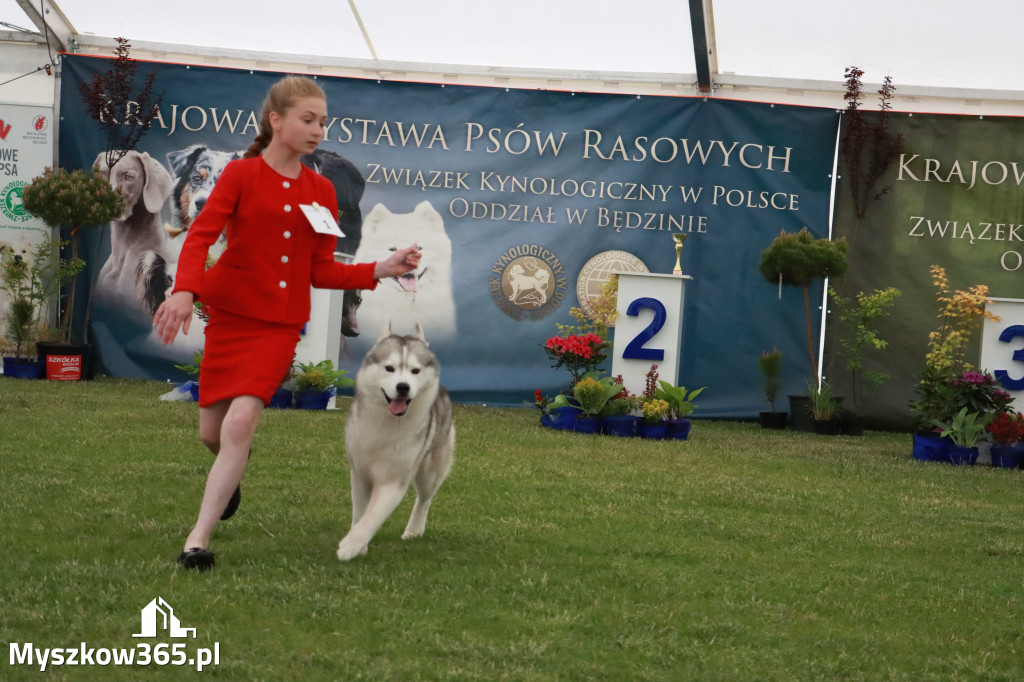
400	432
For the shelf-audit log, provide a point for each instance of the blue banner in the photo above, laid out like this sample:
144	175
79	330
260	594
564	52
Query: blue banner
523	201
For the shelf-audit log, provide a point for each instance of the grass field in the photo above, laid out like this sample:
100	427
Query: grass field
741	554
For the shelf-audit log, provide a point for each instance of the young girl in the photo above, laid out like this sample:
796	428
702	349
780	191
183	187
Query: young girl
257	293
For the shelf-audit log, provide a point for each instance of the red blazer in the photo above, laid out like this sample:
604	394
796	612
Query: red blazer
273	255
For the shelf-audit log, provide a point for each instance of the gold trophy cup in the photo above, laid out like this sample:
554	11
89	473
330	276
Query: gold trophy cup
678	239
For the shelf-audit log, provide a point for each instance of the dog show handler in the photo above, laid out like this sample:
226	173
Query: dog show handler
257	293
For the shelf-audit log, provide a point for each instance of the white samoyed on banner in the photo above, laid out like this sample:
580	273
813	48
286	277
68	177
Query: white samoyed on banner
423	296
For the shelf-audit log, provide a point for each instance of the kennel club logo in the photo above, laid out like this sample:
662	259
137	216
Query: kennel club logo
598	270
528	281
11	203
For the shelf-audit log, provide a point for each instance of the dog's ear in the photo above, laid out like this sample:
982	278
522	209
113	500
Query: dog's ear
100	165
387	332
180	158
158	183
418	333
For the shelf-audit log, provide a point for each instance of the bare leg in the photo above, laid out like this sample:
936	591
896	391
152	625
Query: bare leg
227	429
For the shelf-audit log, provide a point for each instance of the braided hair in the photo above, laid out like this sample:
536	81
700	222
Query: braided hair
282	95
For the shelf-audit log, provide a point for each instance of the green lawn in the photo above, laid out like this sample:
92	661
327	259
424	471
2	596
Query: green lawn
741	554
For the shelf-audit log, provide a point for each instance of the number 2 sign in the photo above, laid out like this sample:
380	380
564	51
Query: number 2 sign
648	329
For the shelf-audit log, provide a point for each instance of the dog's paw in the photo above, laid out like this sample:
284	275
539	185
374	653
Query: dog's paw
410	534
349	550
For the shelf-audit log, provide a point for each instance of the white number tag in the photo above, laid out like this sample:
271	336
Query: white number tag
321	219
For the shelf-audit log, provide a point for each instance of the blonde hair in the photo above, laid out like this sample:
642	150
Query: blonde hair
282	96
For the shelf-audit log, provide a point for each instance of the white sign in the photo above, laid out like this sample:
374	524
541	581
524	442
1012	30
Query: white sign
648	328
321	219
1002	346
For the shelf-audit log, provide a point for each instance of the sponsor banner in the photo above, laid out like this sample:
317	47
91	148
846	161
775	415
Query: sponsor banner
26	149
953	197
523	202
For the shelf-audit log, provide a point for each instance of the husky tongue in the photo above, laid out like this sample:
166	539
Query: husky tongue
398	406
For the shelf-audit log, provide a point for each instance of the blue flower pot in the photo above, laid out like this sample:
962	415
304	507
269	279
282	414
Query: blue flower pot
678	429
282	399
1007	456
961	455
587	424
20	368
653	430
623	425
931	447
313	400
562	418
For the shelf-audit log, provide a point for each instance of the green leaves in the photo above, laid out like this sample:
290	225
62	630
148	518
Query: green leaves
799	258
680	401
320	376
966	427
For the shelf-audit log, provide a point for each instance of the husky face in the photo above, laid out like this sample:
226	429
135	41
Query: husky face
396	371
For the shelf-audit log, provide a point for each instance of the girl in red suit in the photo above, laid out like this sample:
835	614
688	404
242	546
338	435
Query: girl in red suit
257	293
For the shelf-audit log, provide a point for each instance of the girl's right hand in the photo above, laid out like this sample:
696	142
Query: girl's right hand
173	314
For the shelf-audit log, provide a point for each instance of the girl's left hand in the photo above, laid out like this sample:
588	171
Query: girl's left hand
400	262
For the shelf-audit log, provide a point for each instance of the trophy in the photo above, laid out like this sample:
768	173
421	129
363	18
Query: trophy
678	239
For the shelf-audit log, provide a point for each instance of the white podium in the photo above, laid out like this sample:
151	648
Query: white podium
648	328
321	339
1002	346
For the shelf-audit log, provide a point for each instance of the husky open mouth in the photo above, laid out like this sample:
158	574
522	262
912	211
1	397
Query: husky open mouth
398	406
410	280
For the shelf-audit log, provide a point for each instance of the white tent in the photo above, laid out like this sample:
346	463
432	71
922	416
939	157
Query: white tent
945	55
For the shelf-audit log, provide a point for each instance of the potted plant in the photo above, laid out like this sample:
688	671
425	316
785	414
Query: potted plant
824	408
857	317
770	365
592	393
1006	431
579	353
316	383
192	369
77	200
947	382
798	259
964	430
655	414
619	414
680	406
29	286
283	396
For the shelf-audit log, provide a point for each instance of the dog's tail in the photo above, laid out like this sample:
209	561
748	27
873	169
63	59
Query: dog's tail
151	281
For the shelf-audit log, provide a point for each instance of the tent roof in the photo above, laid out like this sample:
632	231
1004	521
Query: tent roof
952	44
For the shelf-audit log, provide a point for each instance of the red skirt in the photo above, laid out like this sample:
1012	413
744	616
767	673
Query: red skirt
244	356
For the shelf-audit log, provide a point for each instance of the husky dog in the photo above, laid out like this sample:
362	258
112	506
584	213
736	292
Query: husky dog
400	432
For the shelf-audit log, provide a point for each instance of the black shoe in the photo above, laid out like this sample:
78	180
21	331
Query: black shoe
236	499
196	559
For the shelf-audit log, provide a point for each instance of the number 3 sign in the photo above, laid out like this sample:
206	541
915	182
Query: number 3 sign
648	329
1002	346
